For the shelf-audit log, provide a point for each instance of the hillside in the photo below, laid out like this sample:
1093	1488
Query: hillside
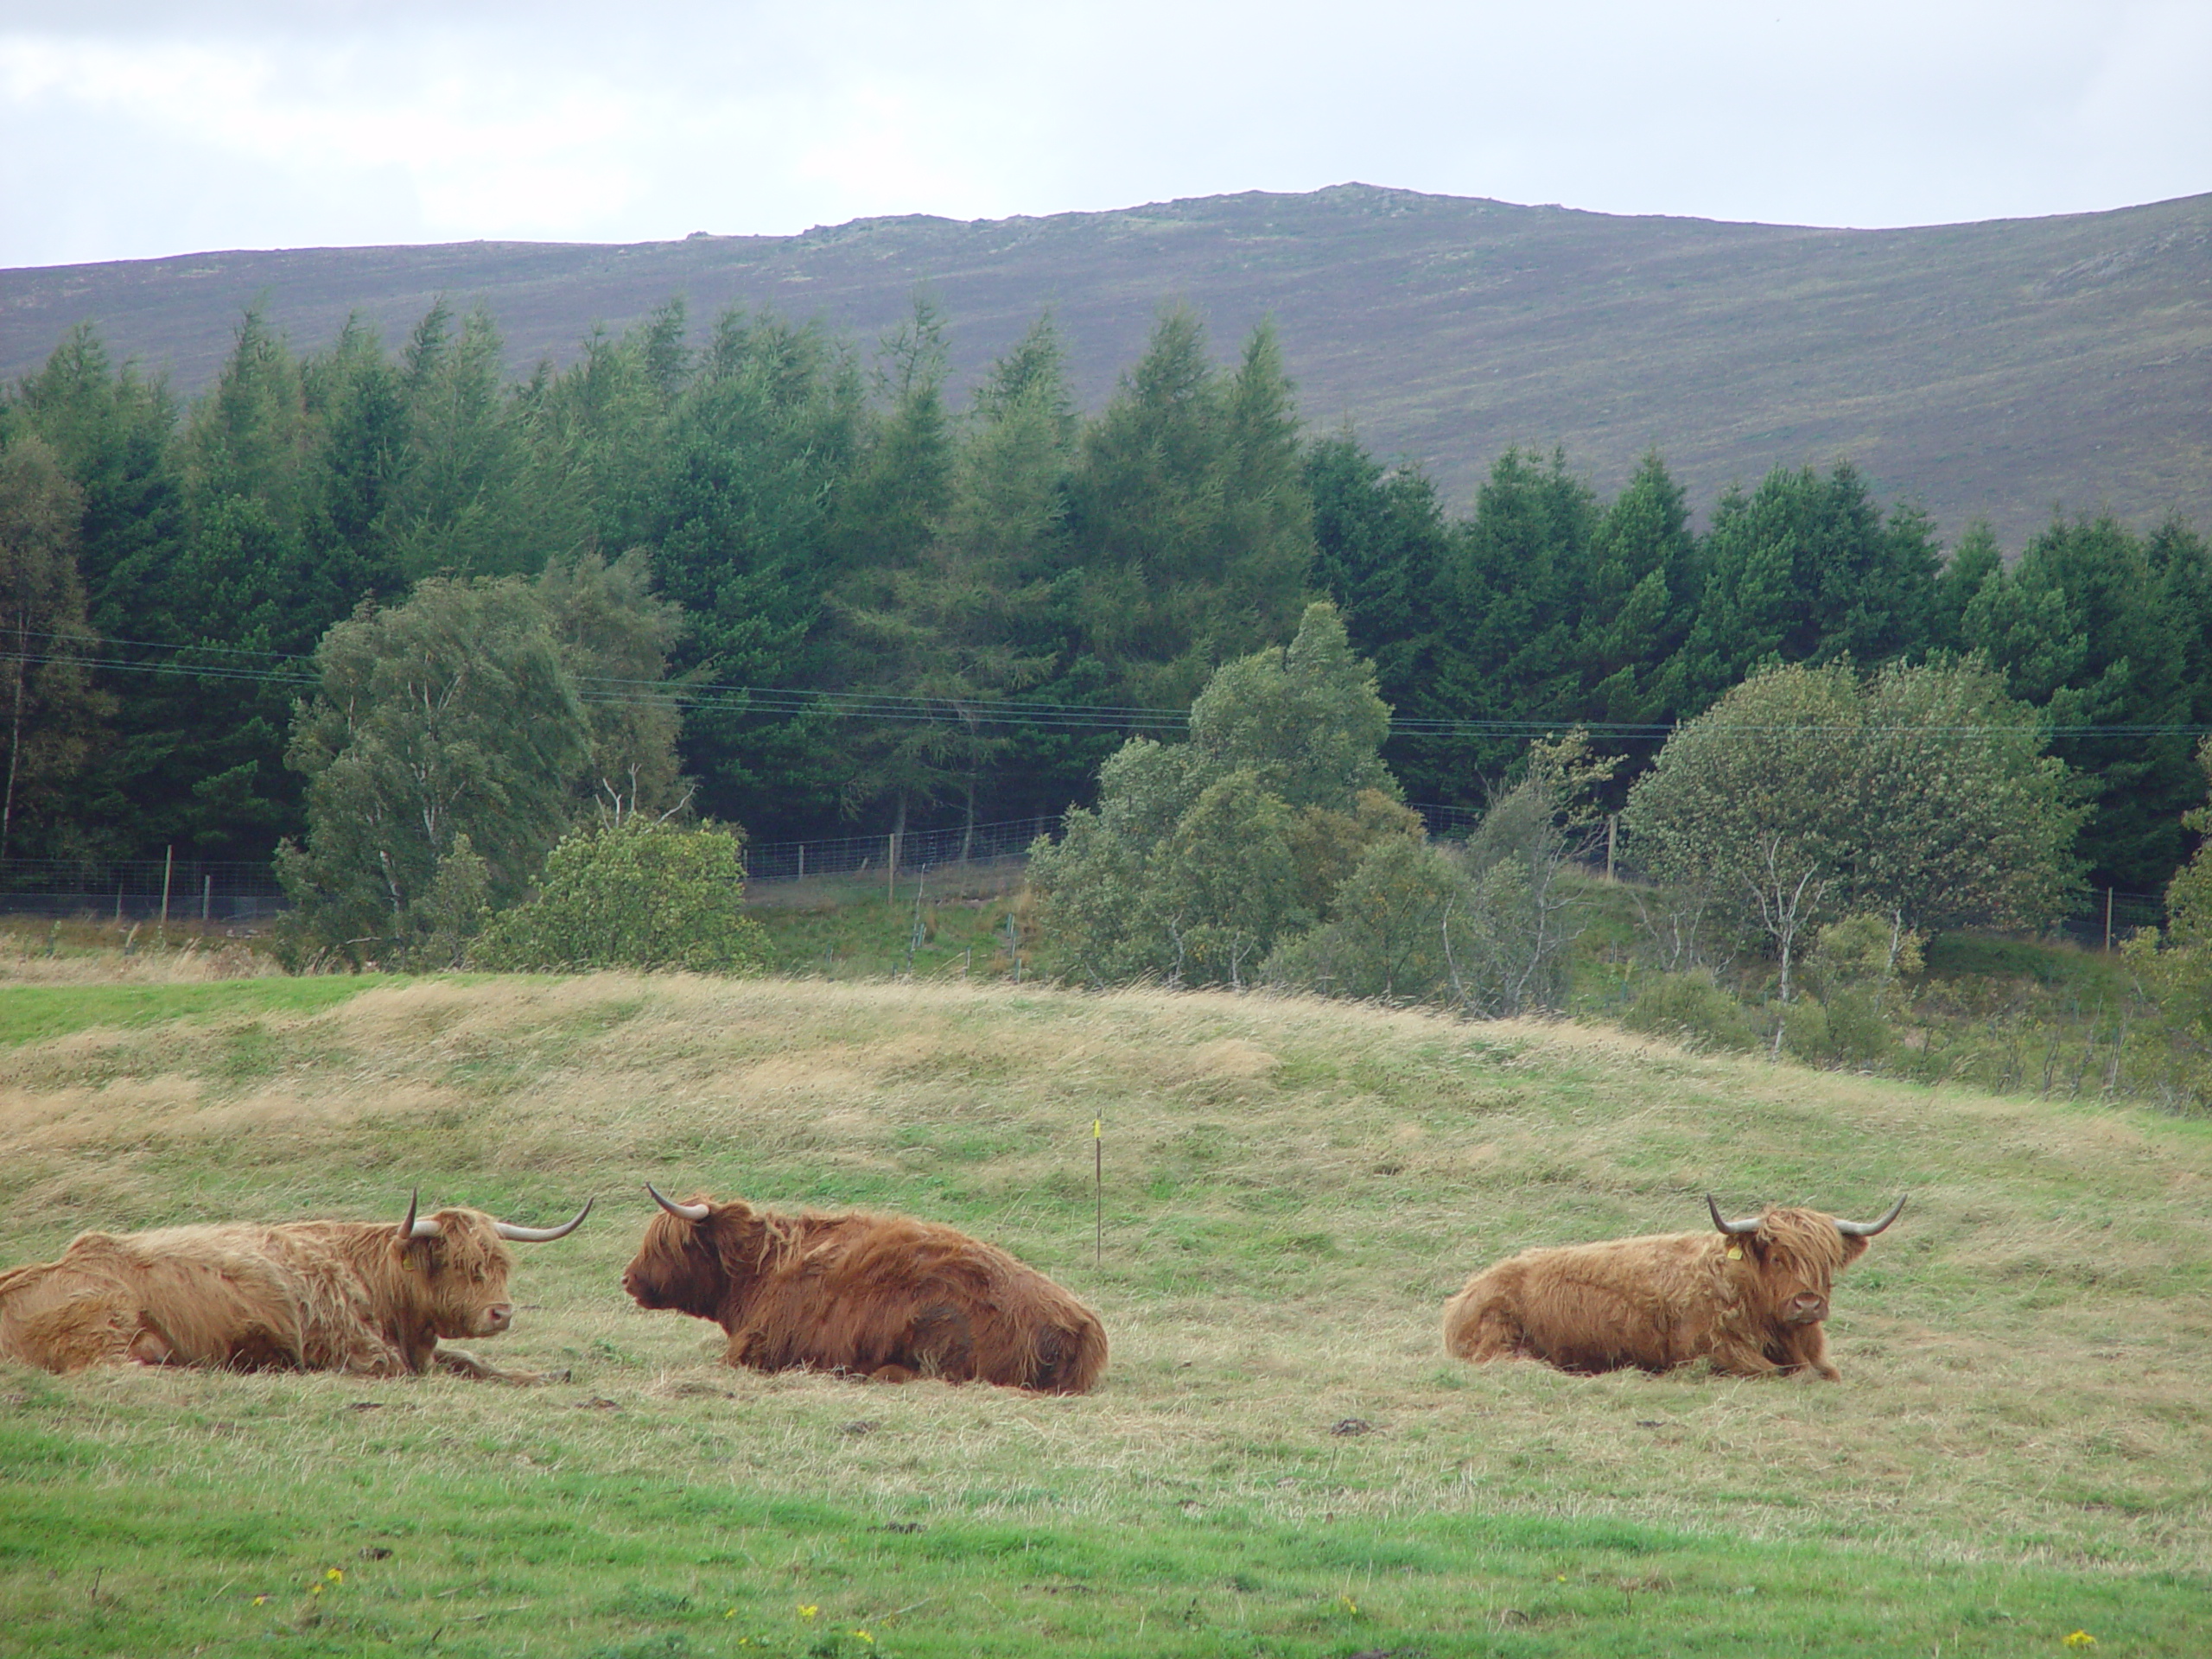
1997	369
1279	1459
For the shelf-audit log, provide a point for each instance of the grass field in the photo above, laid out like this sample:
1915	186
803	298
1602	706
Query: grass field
1279	1460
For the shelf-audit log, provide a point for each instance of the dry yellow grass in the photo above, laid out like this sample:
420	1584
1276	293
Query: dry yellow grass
97	953
1292	1188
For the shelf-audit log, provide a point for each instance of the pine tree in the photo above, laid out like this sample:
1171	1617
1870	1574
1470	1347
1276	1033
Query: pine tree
2083	626
1504	612
1191	524
51	710
112	433
740	507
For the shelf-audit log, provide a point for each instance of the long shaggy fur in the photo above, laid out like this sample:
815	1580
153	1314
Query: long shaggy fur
1753	1305
882	1296
306	1295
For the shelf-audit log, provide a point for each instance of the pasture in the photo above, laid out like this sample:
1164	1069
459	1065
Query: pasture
1279	1460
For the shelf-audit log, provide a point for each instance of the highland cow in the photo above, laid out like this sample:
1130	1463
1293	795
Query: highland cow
1750	1296
884	1297
357	1296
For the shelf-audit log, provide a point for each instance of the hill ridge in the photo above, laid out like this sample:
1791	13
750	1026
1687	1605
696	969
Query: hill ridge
1996	368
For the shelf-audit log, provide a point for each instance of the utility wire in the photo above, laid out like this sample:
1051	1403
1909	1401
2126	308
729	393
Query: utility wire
710	697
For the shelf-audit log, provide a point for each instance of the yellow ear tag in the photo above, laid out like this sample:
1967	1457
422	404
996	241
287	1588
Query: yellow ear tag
1735	1252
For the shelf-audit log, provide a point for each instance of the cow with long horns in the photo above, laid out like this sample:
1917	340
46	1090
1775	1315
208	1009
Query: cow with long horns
884	1297
359	1296
1751	1297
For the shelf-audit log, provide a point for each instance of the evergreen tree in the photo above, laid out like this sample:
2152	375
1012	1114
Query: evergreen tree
111	432
968	623
1640	600
51	710
244	588
1379	536
460	504
1973	562
1505	611
1805	569
886	640
2082	627
1192	527
740	510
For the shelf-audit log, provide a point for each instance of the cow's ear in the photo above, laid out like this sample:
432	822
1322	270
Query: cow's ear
415	1255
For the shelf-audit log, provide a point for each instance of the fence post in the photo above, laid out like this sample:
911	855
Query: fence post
169	869
2107	918
1612	829
206	897
801	860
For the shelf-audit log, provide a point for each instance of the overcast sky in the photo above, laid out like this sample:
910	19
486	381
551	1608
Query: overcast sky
136	128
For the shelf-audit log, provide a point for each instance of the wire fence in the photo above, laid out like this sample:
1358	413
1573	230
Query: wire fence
236	891
909	852
2111	917
137	890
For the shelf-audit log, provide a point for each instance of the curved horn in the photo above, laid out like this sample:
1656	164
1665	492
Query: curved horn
426	1227
682	1212
543	1234
1734	1229
1868	1229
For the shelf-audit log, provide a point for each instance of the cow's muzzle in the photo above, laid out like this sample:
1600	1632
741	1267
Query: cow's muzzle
492	1320
1806	1307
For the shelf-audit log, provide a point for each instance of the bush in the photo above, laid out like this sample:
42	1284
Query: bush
1692	1009
1386	937
639	895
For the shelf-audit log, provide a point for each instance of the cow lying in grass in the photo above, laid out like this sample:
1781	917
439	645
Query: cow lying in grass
359	1296
884	1297
1751	1297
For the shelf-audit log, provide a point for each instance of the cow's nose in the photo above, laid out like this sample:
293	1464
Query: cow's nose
1809	1307
499	1315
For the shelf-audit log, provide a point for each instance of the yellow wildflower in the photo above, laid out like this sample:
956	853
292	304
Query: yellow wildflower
261	1601
807	1610
1348	1604
866	1638
2080	1639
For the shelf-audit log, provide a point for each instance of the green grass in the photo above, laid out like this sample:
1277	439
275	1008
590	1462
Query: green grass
2018	1449
31	1012
851	929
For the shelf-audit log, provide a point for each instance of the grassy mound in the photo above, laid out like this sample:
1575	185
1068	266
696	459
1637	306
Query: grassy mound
1279	1459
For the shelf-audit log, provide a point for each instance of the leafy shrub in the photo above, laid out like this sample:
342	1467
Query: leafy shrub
1692	1009
1387	936
638	895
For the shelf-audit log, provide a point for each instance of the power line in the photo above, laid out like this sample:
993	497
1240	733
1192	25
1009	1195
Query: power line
713	696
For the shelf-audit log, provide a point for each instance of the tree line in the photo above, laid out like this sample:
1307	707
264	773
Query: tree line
822	589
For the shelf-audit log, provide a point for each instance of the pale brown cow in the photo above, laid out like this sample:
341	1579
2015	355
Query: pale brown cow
884	1297
1751	1297
359	1296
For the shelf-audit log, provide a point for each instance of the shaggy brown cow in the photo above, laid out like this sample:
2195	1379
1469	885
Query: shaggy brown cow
884	1297
359	1296
1750	1297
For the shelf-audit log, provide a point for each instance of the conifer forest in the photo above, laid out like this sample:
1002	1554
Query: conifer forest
769	576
